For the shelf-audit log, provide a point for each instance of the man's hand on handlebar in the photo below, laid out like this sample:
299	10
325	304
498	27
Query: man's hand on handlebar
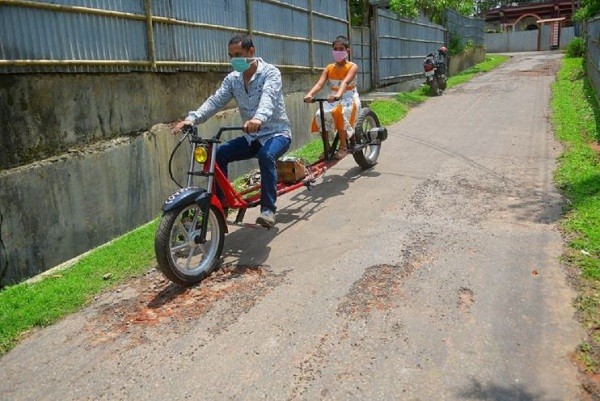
177	126
252	126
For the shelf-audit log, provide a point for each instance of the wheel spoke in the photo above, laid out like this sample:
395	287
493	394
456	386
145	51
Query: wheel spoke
189	258
179	247
181	229
194	224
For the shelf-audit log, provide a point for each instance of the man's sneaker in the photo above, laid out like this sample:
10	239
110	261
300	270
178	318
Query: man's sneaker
266	218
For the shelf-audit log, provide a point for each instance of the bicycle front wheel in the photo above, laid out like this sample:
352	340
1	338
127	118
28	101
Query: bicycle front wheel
180	254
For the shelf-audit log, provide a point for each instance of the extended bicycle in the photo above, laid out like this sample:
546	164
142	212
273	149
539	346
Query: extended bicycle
191	232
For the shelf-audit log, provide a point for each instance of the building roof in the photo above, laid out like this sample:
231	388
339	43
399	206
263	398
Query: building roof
551	9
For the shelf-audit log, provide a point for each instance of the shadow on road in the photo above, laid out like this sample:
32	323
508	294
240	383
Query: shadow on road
495	392
250	246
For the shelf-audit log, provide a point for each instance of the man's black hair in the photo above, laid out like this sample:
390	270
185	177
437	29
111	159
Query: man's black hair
244	39
343	40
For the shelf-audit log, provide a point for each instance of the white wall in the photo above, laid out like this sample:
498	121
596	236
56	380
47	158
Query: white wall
525	41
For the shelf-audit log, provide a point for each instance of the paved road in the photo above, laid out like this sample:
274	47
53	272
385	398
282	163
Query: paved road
435	276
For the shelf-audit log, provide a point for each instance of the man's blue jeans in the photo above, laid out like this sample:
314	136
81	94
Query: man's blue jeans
267	154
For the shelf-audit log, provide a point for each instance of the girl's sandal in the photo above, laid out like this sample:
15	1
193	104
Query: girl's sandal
340	153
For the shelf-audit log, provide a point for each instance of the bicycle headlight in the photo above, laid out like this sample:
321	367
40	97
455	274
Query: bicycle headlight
200	154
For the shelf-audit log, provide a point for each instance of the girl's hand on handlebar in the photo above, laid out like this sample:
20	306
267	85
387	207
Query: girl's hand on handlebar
308	99
332	98
252	126
177	126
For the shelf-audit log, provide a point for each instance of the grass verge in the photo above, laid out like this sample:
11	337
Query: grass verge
575	117
26	306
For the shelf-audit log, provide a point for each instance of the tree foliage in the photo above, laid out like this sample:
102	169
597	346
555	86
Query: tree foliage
483	6
588	9
433	9
359	12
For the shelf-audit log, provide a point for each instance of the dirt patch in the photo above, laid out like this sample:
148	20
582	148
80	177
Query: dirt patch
549	68
466	298
378	288
152	304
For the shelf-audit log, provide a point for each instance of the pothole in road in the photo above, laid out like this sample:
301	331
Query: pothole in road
549	68
379	286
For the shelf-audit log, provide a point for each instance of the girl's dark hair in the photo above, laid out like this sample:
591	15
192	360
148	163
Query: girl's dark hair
343	40
244	39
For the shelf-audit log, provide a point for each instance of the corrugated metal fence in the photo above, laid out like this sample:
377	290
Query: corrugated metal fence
163	35
467	29
591	36
361	55
401	46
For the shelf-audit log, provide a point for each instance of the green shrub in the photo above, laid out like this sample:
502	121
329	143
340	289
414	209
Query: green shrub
455	45
576	48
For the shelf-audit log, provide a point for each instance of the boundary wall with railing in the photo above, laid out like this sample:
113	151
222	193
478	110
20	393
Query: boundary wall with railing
136	36
83	81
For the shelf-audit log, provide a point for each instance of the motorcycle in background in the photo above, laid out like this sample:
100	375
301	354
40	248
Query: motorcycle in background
434	66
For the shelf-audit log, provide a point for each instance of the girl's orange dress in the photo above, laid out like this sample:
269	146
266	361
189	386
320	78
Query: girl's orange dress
341	114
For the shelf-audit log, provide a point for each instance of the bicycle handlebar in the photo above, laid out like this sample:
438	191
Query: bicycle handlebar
322	99
223	129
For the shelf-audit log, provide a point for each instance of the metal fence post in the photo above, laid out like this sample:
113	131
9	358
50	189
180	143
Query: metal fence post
374	46
150	33
311	37
249	23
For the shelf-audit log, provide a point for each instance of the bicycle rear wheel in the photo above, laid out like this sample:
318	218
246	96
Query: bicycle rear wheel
368	153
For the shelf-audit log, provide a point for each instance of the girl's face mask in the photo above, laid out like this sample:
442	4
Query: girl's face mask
241	64
339	55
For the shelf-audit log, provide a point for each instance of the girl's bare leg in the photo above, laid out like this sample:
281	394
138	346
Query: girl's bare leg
343	147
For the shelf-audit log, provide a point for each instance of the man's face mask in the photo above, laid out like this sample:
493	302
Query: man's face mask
241	64
339	55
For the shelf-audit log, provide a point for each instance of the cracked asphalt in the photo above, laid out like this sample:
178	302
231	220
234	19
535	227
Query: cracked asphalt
433	276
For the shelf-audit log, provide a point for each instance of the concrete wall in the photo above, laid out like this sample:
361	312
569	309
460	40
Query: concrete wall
57	208
46	114
466	60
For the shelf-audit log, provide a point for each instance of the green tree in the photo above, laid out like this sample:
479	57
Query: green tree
433	9
405	8
359	12
587	10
